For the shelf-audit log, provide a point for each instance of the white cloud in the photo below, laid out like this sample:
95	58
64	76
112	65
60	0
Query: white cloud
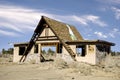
117	12
113	1
114	32
95	20
8	33
86	19
100	34
79	19
110	1
20	20
9	26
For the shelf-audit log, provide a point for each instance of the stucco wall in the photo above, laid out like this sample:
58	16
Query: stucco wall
16	56
101	55
32	50
66	56
73	47
90	56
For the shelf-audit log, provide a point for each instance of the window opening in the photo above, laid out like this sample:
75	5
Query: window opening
59	48
49	50
80	49
103	49
100	48
21	50
36	48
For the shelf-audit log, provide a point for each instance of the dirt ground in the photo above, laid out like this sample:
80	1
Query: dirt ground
60	70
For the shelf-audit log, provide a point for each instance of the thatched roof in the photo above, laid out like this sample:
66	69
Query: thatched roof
62	30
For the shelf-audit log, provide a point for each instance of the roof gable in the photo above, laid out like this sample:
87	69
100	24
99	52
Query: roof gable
61	30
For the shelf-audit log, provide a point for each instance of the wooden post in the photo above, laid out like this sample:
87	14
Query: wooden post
39	50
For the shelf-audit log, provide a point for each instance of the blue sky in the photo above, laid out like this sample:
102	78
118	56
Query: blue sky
94	19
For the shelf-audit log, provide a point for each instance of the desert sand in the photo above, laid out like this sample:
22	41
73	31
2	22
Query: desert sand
60	70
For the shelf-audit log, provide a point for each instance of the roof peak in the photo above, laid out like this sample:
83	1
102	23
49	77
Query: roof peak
45	17
62	30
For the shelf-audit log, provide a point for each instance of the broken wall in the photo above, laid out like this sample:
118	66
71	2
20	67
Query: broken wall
90	56
16	56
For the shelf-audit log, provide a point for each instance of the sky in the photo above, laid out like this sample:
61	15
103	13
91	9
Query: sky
94	19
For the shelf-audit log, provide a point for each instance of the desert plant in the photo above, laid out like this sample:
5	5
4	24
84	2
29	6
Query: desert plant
9	51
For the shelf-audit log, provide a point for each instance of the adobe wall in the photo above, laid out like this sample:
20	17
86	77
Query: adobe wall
16	56
101	55
66	56
90	56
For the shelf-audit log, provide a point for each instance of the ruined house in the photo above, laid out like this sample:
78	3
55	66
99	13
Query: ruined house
68	42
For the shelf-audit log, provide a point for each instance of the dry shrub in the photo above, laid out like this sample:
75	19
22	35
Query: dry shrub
33	58
32	61
60	63
82	68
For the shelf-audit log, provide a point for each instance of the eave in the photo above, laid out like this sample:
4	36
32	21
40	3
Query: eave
91	42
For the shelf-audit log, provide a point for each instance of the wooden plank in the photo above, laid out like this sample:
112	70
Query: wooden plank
46	39
46	36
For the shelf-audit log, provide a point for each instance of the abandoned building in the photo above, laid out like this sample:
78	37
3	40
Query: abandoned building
67	41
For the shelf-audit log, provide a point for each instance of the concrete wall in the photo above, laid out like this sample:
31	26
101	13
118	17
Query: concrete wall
16	56
65	55
32	50
101	55
90	56
73	47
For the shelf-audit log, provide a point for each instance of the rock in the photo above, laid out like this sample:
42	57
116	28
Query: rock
73	78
